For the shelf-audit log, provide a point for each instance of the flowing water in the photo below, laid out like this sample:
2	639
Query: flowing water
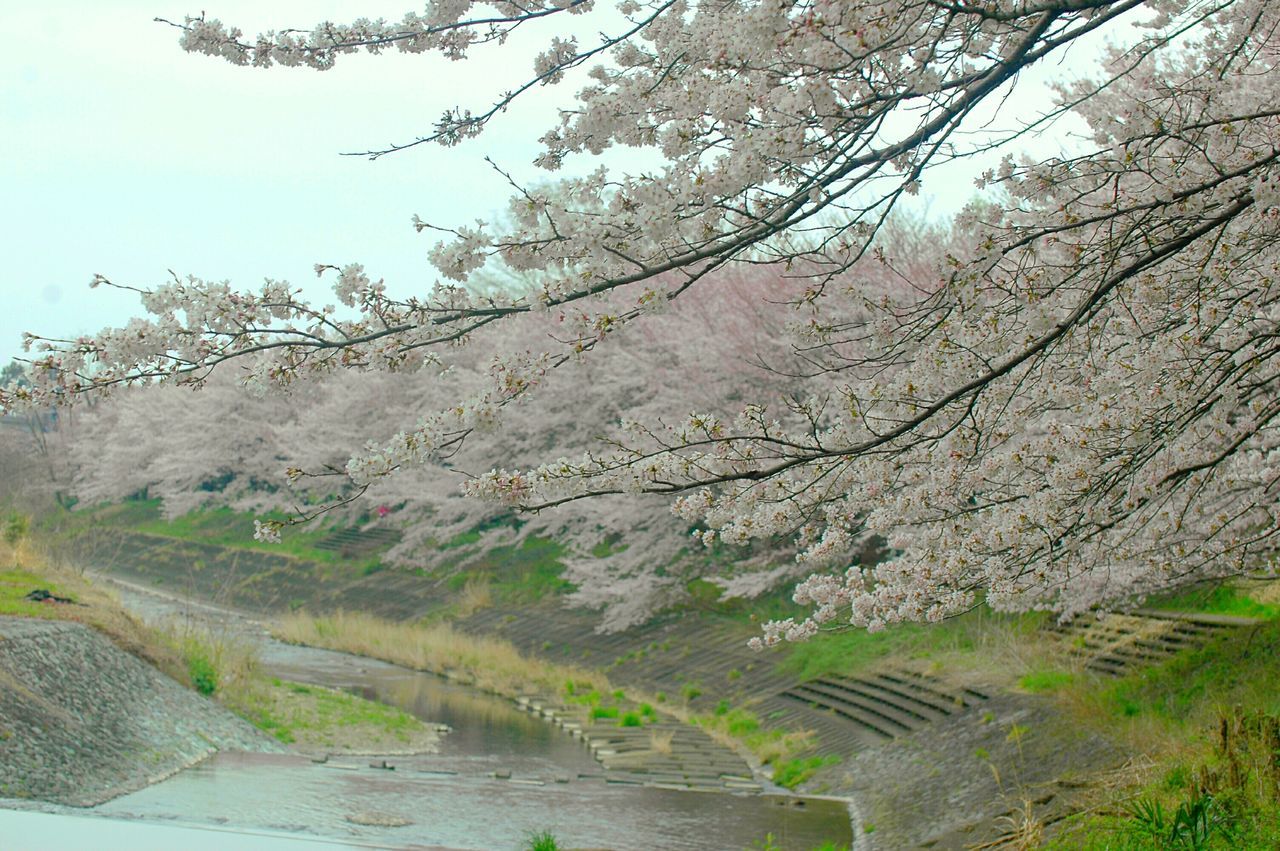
498	777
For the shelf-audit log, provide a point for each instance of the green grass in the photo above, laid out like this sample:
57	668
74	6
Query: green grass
790	773
851	650
15	584
544	840
204	676
1225	810
1217	599
312	716
216	526
1215	783
515	574
1238	667
610	545
293	712
770	746
1044	680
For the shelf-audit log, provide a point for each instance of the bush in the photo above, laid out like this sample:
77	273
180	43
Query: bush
204	676
792	772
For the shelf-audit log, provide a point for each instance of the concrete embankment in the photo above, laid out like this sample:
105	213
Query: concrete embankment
82	721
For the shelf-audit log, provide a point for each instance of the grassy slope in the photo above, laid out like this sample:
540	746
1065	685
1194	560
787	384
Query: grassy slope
1173	715
24	571
217	526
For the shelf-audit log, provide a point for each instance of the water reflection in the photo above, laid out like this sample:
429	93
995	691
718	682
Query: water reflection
481	723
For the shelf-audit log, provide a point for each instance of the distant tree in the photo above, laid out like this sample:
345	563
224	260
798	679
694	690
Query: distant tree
1077	405
141	441
14	375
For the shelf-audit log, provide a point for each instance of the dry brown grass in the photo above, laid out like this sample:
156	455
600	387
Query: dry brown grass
489	663
477	594
999	652
660	740
234	659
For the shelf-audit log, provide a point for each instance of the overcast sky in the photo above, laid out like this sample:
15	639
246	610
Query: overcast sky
123	155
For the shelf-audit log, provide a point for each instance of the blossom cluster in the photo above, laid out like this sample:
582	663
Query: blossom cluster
1068	402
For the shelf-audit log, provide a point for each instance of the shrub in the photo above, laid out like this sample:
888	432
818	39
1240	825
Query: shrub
792	772
204	676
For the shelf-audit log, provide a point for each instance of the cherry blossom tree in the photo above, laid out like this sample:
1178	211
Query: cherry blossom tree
1074	407
141	439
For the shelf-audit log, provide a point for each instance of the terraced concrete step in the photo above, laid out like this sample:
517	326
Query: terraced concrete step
876	723
1119	642
893	696
962	697
353	541
1200	618
1108	665
835	695
919	696
833	735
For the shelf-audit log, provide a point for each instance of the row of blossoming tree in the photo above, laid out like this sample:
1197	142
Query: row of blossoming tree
1076	405
630	556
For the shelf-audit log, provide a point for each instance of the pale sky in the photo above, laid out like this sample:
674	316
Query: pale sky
125	156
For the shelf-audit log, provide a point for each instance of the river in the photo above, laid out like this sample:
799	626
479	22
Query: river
498	777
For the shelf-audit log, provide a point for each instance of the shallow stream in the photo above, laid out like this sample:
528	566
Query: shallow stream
499	776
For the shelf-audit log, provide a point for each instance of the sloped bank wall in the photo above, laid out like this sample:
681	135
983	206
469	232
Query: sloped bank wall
81	721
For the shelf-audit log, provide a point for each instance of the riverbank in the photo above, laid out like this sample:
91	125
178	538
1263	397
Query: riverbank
81	721
500	776
986	729
95	704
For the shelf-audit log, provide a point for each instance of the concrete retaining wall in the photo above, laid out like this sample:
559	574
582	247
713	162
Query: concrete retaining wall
81	721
